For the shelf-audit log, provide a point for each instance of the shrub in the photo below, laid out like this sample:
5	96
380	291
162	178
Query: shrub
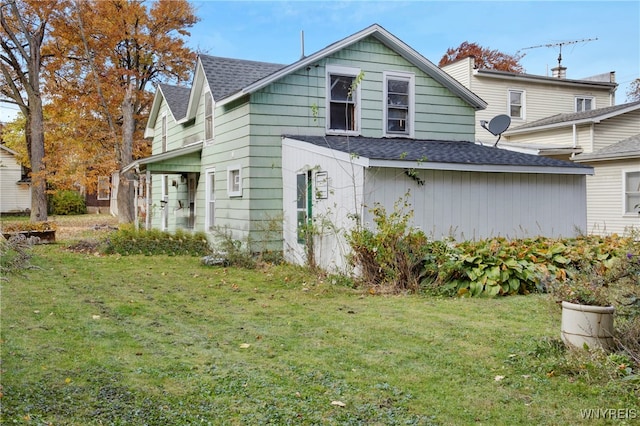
391	257
127	241
67	203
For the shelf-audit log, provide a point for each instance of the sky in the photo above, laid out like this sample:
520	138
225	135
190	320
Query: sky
596	36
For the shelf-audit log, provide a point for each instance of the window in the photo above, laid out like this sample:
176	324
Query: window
632	192
399	89
516	104
234	181
164	132
585	103
210	187
208	116
104	189
343	94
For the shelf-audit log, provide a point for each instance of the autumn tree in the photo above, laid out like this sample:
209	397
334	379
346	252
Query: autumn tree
484	57
24	28
109	53
633	94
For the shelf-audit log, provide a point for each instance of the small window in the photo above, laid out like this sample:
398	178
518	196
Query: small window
585	103
516	104
632	192
164	132
234	181
208	116
398	95
343	94
104	189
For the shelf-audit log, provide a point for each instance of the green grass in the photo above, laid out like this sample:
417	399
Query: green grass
158	340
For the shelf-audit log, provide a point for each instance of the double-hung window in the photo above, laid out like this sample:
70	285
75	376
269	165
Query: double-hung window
208	116
585	103
164	132
343	100
631	192
399	103
516	104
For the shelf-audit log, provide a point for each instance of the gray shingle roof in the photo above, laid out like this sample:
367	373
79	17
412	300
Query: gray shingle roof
226	76
626	148
432	151
576	116
177	99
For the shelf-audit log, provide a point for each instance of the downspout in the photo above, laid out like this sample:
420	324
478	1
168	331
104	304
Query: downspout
136	194
575	136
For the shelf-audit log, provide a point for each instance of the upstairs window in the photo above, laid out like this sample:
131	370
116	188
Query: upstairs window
343	96
399	91
208	116
164	133
585	103
516	104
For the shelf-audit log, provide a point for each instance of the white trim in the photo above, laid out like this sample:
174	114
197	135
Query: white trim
583	98
348	72
411	116
164	130
208	95
231	191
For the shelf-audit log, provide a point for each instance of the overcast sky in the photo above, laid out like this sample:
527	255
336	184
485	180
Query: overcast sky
270	31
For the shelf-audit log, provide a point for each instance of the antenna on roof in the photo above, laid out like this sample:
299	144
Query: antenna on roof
497	126
562	43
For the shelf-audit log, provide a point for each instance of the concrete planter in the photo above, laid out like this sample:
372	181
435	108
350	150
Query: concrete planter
586	324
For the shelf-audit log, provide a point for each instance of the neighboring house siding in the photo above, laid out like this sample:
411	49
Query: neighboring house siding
461	70
615	129
14	197
473	205
605	203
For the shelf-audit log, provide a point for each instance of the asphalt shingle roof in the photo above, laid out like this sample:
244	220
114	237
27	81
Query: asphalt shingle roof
576	116
433	151
177	99
227	76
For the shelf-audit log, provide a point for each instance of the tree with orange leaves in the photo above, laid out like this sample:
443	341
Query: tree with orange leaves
107	55
484	57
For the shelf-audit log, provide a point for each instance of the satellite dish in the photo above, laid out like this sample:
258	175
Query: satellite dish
497	126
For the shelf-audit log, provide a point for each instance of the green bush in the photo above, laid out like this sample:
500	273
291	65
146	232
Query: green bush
127	241
67	203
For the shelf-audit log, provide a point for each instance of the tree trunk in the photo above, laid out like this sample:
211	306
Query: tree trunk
126	189
38	173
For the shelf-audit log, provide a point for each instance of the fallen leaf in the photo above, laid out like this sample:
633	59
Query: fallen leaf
338	403
245	346
498	378
96	317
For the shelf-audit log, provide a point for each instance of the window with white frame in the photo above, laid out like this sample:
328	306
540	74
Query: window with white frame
234	181
164	132
399	100
210	188
585	103
343	95
208	116
631	192
516	104
104	188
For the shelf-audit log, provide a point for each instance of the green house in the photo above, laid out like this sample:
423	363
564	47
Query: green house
235	148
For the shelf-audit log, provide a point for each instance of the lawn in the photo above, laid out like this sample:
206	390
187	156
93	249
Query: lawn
90	339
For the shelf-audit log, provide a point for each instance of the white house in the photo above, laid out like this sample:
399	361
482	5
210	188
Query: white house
15	188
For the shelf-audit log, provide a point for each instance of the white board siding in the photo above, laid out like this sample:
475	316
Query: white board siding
14	197
605	198
472	205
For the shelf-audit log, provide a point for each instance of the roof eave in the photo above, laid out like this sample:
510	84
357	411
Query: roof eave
184	150
610	157
545	79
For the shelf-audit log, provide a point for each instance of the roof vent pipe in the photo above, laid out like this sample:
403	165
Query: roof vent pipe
302	44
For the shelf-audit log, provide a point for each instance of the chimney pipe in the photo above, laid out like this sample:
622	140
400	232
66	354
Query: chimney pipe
559	72
302	44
